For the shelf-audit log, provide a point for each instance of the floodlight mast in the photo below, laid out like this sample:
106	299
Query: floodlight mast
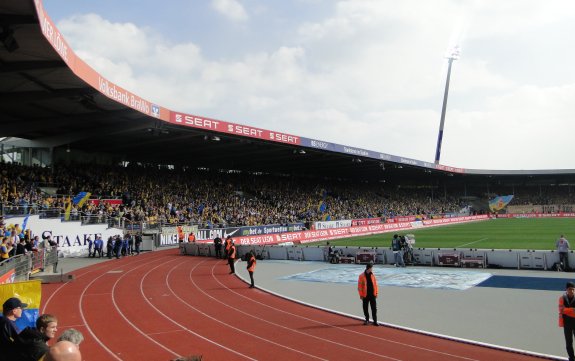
454	55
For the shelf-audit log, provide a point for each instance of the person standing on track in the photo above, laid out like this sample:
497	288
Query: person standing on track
181	234
367	288
251	267
227	246
218	247
567	317
232	256
138	243
98	246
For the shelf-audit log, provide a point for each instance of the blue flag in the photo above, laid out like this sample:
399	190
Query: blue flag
25	222
81	198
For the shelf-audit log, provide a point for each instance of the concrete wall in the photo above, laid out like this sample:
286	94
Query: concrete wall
518	259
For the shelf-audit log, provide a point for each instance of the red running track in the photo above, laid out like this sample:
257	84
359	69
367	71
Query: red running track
161	305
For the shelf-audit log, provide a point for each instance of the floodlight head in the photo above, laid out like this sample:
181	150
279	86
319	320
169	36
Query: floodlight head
454	53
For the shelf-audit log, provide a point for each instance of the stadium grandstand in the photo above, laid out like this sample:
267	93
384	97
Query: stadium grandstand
76	147
65	129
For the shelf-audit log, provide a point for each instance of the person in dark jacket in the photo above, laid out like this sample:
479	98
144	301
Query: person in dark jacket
138	243
118	246
21	247
109	247
32	342
11	311
218	247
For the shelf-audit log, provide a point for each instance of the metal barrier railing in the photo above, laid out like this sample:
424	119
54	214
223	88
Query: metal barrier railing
49	213
19	268
97	219
10	209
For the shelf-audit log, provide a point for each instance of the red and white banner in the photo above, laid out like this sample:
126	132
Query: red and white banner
221	126
344	232
365	221
332	224
403	219
537	215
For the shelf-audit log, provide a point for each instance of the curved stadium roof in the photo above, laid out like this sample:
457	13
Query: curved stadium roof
52	98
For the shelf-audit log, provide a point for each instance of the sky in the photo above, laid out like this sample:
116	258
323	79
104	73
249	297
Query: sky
362	73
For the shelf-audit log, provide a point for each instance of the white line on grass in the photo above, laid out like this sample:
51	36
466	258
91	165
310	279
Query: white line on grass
467	244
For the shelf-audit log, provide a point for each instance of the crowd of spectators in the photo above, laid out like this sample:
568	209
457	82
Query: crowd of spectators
213	198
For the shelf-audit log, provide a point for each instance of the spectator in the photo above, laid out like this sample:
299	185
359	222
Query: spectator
32	342
73	336
5	249
11	311
63	351
21	247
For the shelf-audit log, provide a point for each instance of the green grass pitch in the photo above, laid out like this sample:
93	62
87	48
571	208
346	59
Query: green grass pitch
518	233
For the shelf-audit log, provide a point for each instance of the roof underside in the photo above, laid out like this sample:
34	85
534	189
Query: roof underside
41	100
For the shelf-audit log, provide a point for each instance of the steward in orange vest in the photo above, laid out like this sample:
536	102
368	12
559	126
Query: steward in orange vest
227	244
567	317
191	237
367	288
251	267
232	257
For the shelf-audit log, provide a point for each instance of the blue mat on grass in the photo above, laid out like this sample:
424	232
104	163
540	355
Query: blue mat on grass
526	283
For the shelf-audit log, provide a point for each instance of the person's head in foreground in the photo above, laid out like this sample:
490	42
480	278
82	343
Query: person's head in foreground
63	351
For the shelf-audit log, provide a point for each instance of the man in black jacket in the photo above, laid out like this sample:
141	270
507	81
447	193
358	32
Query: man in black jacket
11	311
218	247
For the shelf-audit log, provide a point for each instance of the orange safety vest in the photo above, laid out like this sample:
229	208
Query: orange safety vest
567	311
362	285
180	234
228	244
232	252
191	238
252	260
